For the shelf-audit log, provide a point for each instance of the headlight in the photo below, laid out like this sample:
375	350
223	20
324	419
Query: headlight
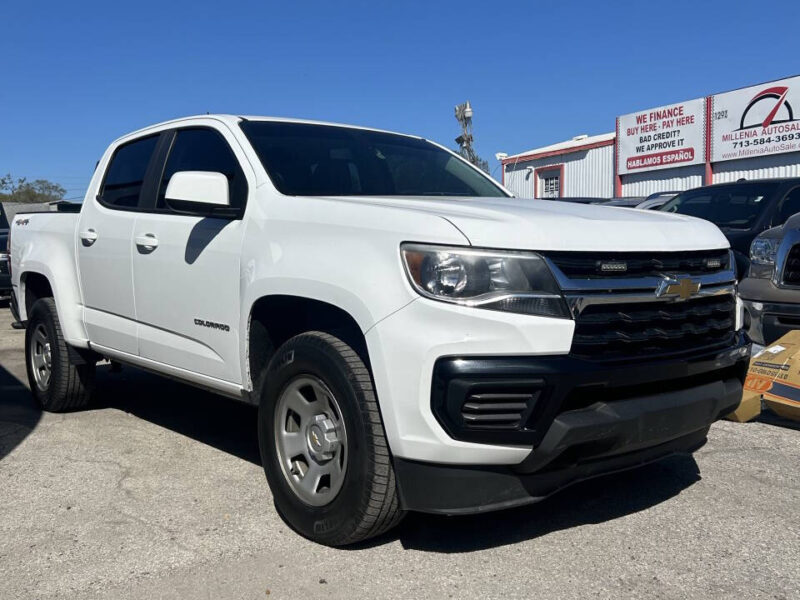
762	257
764	250
518	282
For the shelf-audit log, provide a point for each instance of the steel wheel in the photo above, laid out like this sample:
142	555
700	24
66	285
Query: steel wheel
311	440
41	357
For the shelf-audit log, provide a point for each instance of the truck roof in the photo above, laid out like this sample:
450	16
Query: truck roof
232	120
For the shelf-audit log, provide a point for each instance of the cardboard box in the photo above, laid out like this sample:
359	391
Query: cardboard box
749	408
774	373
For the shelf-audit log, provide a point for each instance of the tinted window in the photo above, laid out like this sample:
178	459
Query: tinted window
322	160
734	207
204	150
125	175
3	222
789	206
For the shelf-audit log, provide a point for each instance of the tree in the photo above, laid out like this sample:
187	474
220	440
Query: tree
29	192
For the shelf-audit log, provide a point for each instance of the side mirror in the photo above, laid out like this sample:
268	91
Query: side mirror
198	188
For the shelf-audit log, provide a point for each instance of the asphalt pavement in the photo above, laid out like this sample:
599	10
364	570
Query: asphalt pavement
157	492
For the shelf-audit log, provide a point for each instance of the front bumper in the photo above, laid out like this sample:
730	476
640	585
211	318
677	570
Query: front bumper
597	419
464	490
770	321
772	311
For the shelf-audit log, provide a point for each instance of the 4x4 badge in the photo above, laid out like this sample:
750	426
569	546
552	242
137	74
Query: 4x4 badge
682	287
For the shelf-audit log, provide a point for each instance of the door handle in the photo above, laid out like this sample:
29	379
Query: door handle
147	242
88	237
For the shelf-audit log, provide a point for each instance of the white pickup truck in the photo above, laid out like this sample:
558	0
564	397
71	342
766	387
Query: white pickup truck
415	338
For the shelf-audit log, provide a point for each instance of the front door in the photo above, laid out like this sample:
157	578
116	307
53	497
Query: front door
105	230
186	267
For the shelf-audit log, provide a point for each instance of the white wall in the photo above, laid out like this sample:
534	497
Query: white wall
665	180
586	173
775	165
591	173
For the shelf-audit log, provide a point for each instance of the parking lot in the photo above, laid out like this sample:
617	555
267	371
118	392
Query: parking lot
157	492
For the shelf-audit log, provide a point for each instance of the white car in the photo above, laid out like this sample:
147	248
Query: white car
415	337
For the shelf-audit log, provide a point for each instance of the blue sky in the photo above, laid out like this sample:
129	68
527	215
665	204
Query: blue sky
77	75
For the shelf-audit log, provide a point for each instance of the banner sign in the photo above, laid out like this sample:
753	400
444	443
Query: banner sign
662	138
756	121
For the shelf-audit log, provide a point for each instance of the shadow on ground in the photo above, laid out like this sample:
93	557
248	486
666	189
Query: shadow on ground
18	414
220	422
770	418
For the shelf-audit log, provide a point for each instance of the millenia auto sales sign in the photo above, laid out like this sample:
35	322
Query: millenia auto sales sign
756	121
661	138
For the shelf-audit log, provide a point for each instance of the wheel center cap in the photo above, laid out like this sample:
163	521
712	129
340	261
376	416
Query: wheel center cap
322	438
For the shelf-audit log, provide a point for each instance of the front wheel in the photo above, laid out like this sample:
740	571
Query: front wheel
56	383
322	442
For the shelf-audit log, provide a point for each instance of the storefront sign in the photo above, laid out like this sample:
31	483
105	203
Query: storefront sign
662	138
756	121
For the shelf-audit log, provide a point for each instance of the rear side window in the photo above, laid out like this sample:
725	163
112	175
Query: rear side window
204	150
124	178
789	206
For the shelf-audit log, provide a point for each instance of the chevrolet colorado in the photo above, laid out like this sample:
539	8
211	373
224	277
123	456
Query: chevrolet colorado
415	338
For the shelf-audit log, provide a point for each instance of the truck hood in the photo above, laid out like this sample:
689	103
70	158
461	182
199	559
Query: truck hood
551	225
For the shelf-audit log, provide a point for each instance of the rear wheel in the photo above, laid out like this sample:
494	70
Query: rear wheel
56	383
322	442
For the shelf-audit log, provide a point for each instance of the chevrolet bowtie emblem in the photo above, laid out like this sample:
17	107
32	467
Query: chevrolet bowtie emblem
682	287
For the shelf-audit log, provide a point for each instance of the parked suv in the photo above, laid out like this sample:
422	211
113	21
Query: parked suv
741	210
771	291
415	338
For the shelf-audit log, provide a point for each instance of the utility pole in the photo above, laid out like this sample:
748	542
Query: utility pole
464	141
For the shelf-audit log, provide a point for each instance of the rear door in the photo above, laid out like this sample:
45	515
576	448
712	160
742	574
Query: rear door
105	229
186	276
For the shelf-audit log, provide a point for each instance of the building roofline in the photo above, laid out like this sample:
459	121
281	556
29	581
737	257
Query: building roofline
608	140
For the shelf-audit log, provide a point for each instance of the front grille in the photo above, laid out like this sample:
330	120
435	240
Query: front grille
791	270
3	266
583	265
490	410
643	329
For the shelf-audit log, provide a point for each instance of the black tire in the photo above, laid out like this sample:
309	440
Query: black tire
367	503
70	386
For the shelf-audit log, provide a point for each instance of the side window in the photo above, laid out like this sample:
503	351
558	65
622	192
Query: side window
124	177
789	206
204	150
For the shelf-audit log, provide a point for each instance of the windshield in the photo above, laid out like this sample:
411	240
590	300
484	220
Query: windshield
324	160
733	207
